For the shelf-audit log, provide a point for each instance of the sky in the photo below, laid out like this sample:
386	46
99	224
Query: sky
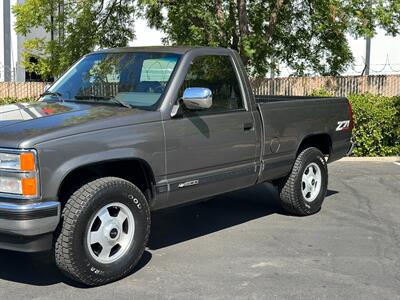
146	36
385	50
385	54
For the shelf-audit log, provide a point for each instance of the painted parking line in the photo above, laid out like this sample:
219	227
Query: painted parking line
397	163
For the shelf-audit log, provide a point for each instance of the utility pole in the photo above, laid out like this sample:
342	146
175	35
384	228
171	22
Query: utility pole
368	50
273	74
367	56
273	70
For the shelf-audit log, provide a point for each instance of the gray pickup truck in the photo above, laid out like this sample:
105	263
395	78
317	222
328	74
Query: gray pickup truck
127	131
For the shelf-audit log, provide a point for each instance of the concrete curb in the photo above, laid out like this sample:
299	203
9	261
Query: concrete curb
371	159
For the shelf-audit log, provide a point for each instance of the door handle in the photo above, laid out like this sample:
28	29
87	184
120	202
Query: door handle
248	126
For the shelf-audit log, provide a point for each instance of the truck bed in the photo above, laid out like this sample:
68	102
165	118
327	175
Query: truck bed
288	120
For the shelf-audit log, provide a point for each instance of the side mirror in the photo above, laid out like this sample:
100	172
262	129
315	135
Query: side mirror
197	98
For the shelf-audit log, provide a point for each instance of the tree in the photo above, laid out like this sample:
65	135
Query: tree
309	36
75	28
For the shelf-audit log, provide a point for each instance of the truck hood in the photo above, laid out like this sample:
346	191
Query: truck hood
24	125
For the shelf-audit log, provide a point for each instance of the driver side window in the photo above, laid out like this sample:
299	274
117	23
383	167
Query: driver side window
217	73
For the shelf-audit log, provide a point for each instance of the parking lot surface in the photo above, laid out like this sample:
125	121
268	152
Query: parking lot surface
242	246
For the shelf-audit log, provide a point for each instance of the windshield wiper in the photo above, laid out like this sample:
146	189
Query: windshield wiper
97	97
55	94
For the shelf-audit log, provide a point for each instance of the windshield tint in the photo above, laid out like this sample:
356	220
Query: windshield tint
138	79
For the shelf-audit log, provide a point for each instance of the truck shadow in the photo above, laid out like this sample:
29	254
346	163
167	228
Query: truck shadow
176	225
169	227
39	269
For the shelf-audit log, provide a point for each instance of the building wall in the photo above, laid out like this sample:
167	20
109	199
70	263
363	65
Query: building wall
16	48
1	41
11	44
4	57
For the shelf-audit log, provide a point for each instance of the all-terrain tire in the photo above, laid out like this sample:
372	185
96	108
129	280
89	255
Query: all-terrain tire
290	188
72	254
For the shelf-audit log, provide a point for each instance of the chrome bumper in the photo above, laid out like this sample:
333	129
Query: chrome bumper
29	219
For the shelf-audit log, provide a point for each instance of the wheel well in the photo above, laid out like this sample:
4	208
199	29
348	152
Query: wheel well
321	141
134	170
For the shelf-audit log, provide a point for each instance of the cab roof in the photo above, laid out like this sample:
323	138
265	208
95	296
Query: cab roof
159	49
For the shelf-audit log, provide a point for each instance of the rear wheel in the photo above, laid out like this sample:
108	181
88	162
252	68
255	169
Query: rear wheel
303	190
105	228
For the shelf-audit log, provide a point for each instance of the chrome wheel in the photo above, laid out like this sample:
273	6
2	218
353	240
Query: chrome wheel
311	182
111	233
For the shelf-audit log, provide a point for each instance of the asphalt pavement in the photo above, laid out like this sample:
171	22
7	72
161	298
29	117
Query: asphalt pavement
242	246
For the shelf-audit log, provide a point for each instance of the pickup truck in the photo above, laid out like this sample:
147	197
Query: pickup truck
131	130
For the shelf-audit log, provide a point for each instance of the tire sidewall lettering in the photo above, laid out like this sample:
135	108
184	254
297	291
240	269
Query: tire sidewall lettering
135	201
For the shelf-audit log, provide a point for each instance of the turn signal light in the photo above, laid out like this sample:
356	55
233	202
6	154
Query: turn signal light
27	161
29	186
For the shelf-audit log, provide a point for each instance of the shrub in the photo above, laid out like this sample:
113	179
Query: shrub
322	92
377	125
4	101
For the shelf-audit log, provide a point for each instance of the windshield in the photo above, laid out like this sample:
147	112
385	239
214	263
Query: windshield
136	79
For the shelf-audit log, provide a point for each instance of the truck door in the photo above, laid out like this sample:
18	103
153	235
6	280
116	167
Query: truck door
211	151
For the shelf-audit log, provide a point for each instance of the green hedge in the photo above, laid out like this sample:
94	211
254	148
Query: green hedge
4	101
377	125
376	119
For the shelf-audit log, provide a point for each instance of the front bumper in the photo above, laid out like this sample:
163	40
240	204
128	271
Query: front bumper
27	227
29	219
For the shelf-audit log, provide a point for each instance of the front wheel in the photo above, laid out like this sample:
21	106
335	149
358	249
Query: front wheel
303	190
105	228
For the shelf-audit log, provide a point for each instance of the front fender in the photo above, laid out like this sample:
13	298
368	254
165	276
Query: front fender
60	157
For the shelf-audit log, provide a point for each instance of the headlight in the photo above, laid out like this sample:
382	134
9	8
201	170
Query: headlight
9	161
10	185
18	173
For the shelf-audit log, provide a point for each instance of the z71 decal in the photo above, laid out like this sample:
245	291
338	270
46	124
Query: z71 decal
343	125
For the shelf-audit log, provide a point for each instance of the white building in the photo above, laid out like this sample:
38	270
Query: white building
11	44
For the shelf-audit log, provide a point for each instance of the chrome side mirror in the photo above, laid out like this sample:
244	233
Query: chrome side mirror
197	98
